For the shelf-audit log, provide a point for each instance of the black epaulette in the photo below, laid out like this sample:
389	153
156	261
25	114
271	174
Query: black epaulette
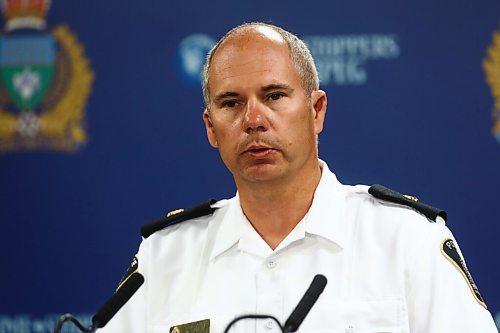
384	193
178	216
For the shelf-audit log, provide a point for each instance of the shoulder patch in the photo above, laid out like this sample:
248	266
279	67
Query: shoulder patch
450	252
178	216
134	267
384	193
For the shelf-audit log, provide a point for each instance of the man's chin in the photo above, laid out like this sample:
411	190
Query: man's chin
262	172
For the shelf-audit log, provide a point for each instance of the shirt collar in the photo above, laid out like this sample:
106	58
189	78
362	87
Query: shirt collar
230	227
325	218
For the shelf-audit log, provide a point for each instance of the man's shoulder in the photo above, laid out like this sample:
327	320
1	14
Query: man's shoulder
381	198
196	216
380	215
390	202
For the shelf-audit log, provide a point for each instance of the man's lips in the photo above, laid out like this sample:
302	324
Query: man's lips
258	151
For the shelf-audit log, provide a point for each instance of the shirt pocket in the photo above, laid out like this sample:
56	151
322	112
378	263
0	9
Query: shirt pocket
355	316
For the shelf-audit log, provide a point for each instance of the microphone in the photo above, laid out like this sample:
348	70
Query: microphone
115	303
109	309
306	303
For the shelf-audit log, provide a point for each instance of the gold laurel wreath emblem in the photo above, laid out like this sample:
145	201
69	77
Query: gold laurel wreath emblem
62	125
491	66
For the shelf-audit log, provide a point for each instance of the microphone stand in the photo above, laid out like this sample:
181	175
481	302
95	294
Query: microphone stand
253	317
69	317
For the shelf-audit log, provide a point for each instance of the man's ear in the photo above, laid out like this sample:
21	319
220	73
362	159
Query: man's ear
212	138
319	102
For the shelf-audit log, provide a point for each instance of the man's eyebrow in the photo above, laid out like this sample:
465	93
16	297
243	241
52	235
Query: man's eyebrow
277	86
226	94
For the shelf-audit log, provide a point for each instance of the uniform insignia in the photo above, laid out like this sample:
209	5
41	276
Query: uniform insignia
384	193
46	79
450	252
410	197
134	267
178	216
201	326
174	212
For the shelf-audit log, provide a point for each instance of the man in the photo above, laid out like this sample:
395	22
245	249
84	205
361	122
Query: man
391	264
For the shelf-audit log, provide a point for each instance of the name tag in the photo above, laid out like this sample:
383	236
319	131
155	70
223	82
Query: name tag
201	326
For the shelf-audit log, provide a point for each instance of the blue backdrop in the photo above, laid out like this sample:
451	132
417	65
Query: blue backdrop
409	107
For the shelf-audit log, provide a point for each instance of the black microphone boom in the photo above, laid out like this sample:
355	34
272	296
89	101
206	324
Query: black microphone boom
306	303
115	303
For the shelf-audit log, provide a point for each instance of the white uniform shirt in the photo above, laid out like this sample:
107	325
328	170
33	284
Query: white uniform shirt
383	263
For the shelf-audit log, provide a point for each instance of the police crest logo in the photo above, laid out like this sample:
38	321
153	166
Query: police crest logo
491	66
45	81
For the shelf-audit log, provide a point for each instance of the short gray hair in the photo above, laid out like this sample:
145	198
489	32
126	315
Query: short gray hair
299	53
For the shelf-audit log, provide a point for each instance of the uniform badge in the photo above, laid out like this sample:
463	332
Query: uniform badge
450	252
201	326
45	81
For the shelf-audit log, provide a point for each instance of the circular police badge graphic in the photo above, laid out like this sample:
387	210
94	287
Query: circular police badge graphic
191	55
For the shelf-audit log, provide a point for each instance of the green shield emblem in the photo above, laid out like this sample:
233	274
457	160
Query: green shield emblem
27	68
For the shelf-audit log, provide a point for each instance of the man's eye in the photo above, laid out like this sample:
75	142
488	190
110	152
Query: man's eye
275	96
229	104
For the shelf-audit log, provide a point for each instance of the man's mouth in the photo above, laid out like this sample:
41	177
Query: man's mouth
259	151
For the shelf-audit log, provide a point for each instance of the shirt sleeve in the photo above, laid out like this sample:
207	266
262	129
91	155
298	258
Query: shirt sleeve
131	318
442	296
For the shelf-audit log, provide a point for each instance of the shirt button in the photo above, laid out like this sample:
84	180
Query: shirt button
271	264
349	329
269	325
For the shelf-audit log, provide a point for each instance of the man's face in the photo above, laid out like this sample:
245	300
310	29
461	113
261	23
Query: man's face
261	119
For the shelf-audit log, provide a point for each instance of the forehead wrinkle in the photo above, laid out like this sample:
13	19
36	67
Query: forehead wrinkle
235	70
253	72
237	65
234	54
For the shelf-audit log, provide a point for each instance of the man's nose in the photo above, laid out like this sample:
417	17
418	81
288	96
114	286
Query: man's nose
255	118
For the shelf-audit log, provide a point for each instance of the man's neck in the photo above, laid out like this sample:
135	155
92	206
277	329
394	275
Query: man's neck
274	209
